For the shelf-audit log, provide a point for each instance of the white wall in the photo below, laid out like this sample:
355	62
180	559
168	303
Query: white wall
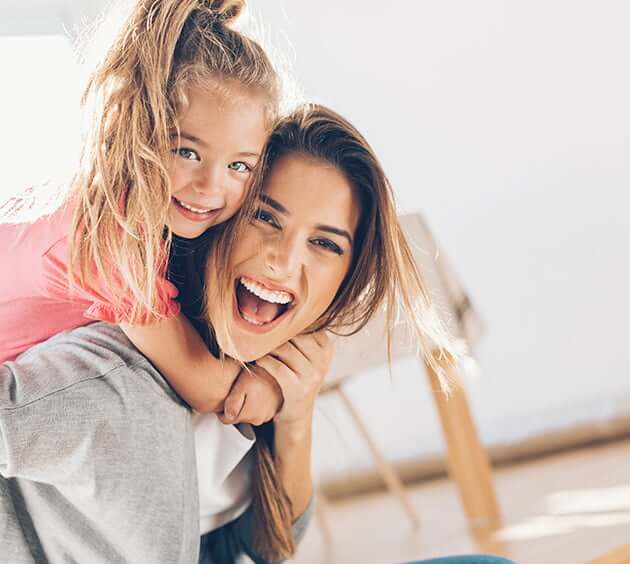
507	125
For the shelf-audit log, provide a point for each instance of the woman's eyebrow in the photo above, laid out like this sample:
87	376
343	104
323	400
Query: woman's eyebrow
336	231
327	228
274	204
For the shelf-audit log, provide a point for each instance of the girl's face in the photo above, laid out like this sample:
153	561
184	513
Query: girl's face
221	139
291	260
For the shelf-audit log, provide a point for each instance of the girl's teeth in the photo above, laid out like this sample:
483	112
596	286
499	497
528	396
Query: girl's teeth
275	297
192	209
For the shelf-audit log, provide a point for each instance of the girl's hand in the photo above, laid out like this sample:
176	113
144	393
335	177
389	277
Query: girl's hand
254	398
299	367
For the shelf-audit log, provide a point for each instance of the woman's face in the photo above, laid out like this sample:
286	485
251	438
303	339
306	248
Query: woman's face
292	258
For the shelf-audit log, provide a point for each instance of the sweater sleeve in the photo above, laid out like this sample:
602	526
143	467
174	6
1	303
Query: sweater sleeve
227	543
52	422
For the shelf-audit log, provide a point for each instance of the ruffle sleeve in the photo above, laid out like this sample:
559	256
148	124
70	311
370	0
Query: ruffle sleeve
96	297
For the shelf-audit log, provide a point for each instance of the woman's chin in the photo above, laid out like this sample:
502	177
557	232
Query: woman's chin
243	352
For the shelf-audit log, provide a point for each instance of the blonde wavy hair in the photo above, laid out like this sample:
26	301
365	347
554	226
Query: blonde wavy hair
122	191
382	275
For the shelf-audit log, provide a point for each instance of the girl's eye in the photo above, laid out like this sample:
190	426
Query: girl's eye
188	154
239	166
328	245
266	217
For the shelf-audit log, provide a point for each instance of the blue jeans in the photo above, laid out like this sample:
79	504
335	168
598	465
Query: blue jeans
469	559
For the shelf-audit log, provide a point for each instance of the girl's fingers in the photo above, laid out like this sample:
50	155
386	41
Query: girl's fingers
250	415
234	403
225	420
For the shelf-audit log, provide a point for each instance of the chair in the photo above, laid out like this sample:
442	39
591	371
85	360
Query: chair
467	460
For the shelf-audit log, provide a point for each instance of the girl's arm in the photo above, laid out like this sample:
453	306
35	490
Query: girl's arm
172	345
179	353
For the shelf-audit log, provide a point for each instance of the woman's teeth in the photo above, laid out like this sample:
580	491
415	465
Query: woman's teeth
273	296
191	208
251	320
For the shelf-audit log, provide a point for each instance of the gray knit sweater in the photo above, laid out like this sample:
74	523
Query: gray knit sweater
97	460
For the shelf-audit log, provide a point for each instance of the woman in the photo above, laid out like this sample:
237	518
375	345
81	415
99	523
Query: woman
326	241
323	251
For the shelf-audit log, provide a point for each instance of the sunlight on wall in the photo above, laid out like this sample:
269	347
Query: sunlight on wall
39	114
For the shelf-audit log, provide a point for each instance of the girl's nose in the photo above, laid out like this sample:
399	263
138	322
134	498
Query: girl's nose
210	184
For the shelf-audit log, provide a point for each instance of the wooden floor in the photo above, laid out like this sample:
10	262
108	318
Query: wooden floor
570	508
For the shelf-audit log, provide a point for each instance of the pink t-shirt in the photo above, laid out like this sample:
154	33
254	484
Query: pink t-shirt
35	299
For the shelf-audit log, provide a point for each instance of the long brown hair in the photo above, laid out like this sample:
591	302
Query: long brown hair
382	274
122	191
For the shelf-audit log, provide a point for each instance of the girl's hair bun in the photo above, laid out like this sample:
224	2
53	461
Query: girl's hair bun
227	10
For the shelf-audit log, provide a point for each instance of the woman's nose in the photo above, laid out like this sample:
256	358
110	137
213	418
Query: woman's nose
283	257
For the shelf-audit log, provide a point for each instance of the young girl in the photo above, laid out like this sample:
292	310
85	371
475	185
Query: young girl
185	104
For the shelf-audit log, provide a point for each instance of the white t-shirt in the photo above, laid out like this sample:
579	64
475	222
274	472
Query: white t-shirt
224	464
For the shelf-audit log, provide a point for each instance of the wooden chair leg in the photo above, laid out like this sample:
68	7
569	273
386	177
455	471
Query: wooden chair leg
620	555
385	468
467	460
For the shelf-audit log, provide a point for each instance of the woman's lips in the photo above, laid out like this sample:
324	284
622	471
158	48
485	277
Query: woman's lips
195	216
254	327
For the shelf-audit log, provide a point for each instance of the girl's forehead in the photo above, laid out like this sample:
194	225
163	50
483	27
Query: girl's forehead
224	122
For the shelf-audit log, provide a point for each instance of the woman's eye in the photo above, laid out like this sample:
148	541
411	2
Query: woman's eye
239	166
328	245
266	217
188	154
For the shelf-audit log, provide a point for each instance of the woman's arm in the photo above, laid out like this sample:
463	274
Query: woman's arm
179	353
299	367
292	446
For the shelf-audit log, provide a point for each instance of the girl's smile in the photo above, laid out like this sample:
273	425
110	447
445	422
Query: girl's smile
218	145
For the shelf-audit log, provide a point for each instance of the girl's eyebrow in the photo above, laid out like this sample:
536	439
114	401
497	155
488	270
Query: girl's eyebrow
189	137
327	228
198	141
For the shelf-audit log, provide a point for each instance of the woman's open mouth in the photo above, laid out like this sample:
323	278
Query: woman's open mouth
258	307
